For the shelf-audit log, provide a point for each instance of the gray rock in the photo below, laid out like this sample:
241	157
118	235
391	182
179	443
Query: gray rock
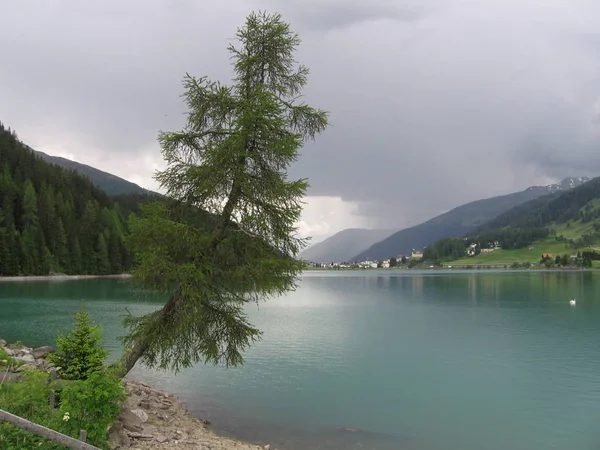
9	351
2	342
118	438
130	420
27	357
42	352
141	414
160	405
9	377
20	348
161	438
43	364
181	435
25	367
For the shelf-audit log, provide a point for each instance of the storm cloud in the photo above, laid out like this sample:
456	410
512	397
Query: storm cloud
433	103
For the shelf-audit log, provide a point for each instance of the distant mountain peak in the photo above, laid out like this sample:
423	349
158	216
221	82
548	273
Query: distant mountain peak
344	244
563	185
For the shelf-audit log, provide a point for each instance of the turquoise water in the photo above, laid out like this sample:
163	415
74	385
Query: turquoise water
397	360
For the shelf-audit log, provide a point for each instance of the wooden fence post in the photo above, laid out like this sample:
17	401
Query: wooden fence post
82	435
47	433
52	393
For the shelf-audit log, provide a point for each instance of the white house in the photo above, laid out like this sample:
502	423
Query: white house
416	254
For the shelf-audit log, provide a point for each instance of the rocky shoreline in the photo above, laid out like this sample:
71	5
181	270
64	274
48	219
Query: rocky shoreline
149	419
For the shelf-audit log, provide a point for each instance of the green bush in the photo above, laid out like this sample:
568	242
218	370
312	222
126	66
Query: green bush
78	352
6	361
28	399
90	401
92	404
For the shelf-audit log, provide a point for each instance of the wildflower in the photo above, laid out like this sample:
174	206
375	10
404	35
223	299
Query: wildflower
66	417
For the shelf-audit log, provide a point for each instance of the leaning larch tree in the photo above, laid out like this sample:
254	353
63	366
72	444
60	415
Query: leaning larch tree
227	234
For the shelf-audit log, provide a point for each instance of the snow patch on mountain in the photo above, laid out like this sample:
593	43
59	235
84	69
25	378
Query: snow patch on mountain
563	185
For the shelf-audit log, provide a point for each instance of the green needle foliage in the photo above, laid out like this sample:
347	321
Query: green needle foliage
227	236
79	353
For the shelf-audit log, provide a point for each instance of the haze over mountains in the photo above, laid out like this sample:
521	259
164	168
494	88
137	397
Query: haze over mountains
455	222
344	245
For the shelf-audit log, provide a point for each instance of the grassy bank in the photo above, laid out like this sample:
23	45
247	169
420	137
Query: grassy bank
573	230
531	254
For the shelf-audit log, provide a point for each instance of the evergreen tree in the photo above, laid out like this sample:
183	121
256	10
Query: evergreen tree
230	160
31	253
115	252
52	218
79	351
76	265
61	249
4	250
48	263
103	260
30	208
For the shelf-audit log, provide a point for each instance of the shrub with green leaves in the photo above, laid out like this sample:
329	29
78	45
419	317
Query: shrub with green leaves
90	401
79	353
92	404
28	399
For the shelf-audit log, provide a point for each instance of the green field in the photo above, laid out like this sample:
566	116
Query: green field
575	230
533	253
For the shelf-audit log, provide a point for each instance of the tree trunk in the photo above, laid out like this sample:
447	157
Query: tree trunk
140	347
132	358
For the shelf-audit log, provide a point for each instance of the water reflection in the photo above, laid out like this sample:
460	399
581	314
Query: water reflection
419	360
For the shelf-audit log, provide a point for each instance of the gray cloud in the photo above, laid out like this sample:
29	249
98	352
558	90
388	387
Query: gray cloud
433	103
331	15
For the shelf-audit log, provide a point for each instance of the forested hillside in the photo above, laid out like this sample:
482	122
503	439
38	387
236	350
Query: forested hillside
462	220
53	220
551	209
577	209
108	182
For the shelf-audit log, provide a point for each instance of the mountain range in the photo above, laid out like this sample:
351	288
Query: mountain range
344	245
109	183
357	244
455	222
564	223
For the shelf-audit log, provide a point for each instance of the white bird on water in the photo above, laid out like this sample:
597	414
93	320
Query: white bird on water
572	302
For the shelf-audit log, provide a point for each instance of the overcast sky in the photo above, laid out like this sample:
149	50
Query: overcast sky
433	103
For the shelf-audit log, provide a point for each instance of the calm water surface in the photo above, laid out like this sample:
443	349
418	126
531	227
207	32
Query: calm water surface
379	360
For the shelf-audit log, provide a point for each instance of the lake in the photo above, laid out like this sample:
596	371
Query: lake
379	359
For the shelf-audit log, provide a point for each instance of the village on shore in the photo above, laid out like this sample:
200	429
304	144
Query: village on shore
414	258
